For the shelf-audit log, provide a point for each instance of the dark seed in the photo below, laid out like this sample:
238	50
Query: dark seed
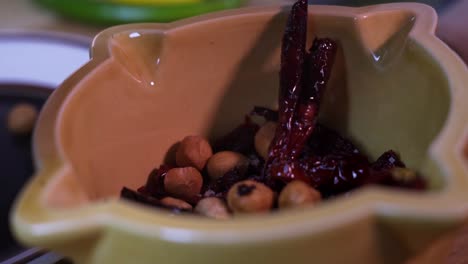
244	189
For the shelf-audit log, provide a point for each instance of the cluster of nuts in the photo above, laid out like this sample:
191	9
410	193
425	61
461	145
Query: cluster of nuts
184	183
194	156
222	183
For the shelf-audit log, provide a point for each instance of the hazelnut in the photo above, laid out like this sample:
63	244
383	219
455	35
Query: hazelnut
264	137
298	193
250	197
184	183
212	207
21	118
193	151
176	203
224	161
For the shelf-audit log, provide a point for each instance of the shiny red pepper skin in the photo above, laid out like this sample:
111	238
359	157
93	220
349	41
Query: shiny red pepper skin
303	78
291	79
318	67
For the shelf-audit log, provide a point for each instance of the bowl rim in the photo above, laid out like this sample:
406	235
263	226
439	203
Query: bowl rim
34	223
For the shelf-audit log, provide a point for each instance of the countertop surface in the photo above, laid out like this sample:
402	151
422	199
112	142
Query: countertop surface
25	15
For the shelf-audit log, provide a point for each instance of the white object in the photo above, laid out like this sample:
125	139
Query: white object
40	58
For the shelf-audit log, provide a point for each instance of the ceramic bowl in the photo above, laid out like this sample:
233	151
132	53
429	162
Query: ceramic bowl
394	86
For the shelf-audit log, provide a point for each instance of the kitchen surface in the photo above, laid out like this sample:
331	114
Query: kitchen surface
23	16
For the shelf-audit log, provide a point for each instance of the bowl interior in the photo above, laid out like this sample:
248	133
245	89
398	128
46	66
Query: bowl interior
160	85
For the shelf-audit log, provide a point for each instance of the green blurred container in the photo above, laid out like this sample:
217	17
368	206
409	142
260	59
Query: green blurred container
108	13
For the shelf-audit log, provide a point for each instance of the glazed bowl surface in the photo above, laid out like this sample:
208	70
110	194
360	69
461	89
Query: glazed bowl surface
394	86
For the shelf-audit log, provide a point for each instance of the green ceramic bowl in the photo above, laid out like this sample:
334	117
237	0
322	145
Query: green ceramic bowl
108	13
394	86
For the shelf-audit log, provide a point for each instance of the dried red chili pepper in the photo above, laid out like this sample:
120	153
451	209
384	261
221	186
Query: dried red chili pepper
318	69
292	66
301	85
340	172
291	82
132	195
155	183
332	174
333	164
325	141
142	198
